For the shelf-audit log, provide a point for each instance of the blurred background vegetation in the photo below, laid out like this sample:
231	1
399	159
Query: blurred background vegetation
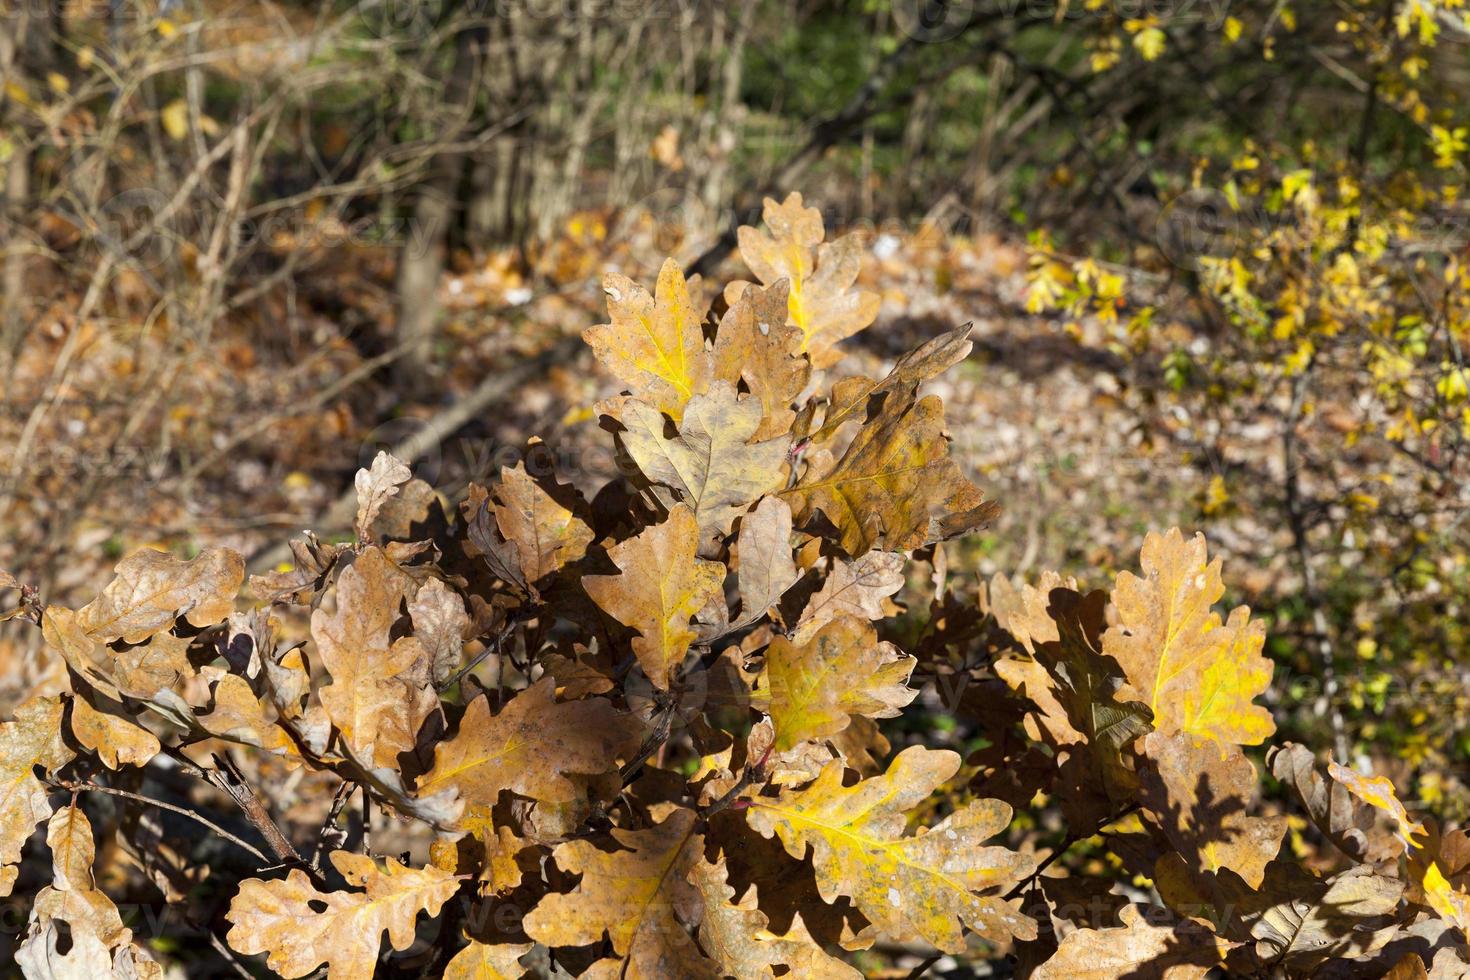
1214	250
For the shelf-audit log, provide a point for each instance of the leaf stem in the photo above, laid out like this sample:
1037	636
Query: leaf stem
88	787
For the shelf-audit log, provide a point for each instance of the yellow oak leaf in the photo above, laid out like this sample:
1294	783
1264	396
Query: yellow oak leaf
531	747
32	738
813	690
859	588
821	304
380	692
301	927
639	895
1197	675
662	585
919	886
711	464
654	344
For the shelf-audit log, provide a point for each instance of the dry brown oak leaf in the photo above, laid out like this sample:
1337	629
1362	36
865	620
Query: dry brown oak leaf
32	738
281	917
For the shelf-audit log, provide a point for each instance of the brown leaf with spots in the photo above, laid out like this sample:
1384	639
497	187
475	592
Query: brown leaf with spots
31	739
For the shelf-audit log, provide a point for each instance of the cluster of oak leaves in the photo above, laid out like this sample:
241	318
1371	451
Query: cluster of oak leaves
723	592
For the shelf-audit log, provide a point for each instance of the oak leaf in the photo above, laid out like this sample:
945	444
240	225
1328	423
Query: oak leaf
756	345
851	396
737	937
1378	792
152	589
117	740
1140	948
764	551
100	946
896	486
531	747
486	961
639	895
380	692
820	275
1343	818
1201	793
374	485
654	344
530	528
32	738
1197	675
439	623
813	689
861	588
301	928
711	464
662	586
923	885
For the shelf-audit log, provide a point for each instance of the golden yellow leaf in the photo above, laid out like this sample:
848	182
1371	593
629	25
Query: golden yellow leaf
301	928
661	587
531	748
820	275
711	464
812	690
32	738
639	895
175	119
921	886
1197	675
654	344
380	692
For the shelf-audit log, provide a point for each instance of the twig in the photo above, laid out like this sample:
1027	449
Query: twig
86	787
